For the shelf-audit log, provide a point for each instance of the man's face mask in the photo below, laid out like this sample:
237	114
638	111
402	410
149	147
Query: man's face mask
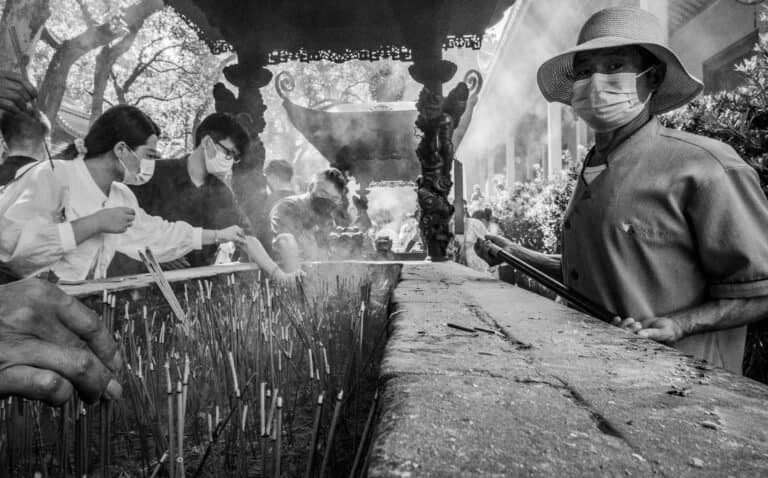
323	205
608	101
142	174
218	159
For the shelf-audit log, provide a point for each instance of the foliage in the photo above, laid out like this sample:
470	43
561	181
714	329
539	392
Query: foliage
532	215
738	118
168	71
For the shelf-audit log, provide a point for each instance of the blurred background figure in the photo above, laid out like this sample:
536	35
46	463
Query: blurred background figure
311	217
25	134
476	227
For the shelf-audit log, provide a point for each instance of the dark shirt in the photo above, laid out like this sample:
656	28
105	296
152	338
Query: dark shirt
11	165
275	196
172	195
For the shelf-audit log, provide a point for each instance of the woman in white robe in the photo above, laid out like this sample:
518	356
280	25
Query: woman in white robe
71	216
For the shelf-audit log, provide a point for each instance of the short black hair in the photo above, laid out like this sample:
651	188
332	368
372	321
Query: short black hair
281	168
336	177
220	126
26	126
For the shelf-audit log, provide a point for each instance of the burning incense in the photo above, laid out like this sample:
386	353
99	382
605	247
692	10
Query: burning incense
278	432
180	429
171	460
364	436
331	433
315	433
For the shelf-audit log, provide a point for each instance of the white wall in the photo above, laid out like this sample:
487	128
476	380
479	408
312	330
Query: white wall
722	24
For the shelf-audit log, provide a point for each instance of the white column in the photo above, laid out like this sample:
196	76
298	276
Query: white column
554	138
510	154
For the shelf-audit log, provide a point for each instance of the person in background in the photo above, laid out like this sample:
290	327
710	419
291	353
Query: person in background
37	316
279	174
476	196
311	217
664	228
476	227
73	215
192	189
409	234
25	134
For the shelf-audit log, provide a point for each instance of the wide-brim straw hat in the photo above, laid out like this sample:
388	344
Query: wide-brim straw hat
617	27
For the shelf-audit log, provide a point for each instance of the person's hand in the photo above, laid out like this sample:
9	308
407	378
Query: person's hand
232	233
51	344
287	278
15	92
628	323
115	220
482	250
660	329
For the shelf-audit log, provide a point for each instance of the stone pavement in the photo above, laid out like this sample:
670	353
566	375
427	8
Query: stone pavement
550	393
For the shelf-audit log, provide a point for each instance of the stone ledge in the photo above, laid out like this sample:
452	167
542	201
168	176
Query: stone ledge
551	393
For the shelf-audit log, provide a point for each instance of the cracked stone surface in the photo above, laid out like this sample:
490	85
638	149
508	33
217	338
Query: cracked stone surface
550	392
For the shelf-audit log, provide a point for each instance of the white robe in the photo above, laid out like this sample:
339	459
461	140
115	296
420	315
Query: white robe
36	211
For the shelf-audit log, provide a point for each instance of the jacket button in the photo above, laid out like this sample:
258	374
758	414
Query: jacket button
574	275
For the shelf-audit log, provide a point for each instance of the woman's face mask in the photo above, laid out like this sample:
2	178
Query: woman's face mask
607	102
142	171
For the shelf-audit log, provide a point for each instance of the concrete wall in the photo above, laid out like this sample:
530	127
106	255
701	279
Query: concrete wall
719	26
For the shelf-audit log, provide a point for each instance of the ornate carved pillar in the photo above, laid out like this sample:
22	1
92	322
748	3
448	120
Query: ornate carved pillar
248	181
438	117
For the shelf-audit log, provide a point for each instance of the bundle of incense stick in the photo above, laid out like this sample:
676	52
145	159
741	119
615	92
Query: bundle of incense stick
162	283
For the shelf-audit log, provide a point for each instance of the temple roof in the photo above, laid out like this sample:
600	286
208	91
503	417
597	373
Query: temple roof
337	30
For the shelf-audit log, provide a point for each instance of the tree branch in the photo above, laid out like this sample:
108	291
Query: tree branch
89	21
155	97
49	39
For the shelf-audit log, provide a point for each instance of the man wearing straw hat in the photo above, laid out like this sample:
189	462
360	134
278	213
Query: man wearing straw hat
666	229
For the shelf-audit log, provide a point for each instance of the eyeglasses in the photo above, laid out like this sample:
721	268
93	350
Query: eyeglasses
231	153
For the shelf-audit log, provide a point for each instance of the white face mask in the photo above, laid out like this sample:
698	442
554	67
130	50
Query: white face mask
216	161
142	176
608	101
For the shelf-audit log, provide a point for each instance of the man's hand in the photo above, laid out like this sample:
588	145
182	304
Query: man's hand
660	329
115	220
15	92
51	344
232	233
481	248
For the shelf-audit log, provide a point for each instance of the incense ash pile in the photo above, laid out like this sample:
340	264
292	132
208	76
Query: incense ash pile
253	382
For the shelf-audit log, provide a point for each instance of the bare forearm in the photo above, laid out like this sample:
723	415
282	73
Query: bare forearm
258	255
210	237
721	314
549	264
85	228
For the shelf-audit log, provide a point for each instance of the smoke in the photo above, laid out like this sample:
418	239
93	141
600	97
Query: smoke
510	103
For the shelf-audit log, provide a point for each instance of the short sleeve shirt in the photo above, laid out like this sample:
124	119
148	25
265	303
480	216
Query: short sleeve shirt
674	221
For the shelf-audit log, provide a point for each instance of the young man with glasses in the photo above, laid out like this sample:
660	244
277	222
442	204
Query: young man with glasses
194	189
